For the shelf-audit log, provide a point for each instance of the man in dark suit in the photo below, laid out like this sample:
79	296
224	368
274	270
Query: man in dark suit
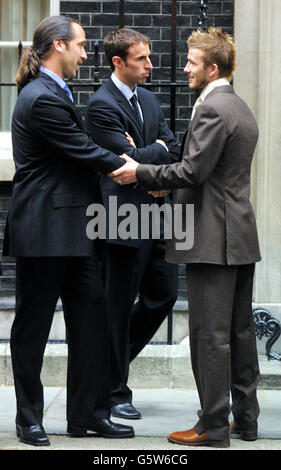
134	265
56	179
214	176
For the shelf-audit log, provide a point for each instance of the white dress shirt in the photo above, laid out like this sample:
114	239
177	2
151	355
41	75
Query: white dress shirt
58	79
126	91
208	88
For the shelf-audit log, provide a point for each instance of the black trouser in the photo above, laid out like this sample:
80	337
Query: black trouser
39	284
223	346
132	271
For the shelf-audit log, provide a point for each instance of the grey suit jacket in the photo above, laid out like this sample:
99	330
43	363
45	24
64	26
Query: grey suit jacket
214	175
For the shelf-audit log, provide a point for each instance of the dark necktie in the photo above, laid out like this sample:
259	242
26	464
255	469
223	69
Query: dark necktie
134	102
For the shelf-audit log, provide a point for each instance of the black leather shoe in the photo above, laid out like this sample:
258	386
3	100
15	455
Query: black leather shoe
34	435
103	427
125	411
245	434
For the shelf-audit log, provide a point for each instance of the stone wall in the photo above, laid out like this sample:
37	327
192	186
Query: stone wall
152	18
257	81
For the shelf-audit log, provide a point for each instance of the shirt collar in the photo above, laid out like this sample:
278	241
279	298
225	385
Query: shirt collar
211	86
53	75
125	89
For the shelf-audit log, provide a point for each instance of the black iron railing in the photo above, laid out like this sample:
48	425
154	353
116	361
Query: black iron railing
203	17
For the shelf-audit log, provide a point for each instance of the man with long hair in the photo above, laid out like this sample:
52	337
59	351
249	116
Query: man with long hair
56	178
214	176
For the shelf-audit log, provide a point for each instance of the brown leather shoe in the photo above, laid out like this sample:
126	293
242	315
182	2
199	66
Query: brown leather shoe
246	435
191	438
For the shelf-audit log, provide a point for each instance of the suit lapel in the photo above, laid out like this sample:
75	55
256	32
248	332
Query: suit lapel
219	89
146	113
183	142
124	104
57	90
64	95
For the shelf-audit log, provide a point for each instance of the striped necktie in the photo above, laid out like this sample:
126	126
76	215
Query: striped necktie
67	90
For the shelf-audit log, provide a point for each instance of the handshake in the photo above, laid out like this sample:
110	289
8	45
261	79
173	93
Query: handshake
127	173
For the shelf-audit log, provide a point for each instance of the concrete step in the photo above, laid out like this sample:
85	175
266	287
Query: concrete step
157	366
180	323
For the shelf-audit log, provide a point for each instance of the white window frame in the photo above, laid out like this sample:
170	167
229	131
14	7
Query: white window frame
7	168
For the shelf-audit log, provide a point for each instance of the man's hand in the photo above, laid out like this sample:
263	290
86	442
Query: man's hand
127	173
130	139
160	141
132	142
160	193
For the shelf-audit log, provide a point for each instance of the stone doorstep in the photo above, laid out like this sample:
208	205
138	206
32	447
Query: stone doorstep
157	366
180	323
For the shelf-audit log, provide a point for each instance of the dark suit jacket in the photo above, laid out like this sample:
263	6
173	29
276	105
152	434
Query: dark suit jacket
56	174
108	117
214	175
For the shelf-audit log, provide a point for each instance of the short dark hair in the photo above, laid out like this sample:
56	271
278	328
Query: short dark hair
117	43
51	28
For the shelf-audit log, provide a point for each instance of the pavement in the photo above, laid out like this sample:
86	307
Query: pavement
163	411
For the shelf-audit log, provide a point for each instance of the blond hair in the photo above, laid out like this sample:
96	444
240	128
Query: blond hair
218	48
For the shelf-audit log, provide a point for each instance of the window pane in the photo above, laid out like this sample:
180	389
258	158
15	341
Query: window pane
8	94
18	19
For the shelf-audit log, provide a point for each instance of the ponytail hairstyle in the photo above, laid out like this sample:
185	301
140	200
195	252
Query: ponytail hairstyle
51	28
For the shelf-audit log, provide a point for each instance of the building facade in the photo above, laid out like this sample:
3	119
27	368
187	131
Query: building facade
168	23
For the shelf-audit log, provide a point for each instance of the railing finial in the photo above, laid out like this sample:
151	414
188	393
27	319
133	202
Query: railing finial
203	17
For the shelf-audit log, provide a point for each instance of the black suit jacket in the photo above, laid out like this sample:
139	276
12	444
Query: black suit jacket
109	115
56	177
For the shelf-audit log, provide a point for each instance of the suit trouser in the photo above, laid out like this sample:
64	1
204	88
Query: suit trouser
39	284
223	346
131	271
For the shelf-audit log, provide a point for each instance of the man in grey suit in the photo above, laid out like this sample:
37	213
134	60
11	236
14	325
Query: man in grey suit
214	176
